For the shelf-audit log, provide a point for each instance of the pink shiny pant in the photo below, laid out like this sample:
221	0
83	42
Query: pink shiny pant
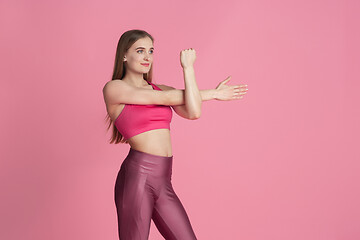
143	191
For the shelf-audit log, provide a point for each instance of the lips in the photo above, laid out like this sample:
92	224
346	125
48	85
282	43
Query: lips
145	64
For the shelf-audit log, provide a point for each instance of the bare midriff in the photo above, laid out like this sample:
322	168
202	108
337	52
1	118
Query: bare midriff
156	141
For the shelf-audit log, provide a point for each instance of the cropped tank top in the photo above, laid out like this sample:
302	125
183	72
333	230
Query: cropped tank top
135	119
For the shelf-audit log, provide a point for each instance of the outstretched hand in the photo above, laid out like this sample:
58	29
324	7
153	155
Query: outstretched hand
229	92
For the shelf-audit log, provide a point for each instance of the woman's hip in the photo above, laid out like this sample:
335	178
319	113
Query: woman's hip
146	163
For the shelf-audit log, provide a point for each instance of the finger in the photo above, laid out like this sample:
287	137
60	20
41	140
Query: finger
227	79
237	97
239	86
224	81
240	93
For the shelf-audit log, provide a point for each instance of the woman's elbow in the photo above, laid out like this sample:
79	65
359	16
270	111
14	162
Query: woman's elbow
195	116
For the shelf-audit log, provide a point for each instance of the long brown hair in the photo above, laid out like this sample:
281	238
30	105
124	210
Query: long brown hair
126	40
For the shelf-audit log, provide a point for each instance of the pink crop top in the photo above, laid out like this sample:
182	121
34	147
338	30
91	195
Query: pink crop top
135	119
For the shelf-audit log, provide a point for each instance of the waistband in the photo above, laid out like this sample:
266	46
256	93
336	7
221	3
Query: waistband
155	165
133	151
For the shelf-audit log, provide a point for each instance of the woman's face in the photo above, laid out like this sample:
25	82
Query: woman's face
140	53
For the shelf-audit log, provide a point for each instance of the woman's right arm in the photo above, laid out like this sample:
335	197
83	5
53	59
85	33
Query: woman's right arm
117	91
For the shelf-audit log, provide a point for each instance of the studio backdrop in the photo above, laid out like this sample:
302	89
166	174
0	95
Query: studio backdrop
282	163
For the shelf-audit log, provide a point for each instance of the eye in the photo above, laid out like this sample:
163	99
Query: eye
138	51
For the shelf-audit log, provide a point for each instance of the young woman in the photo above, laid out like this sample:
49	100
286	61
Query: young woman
140	113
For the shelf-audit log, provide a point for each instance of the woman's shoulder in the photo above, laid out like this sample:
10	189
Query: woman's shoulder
114	82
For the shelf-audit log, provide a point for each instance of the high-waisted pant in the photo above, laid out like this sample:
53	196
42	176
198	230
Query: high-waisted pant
143	191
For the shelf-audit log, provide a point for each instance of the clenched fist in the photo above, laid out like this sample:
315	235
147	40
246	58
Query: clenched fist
187	57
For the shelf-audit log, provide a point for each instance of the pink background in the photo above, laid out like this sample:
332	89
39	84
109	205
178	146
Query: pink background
282	163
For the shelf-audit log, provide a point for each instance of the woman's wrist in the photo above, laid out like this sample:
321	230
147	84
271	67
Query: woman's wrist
214	94
208	94
191	67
